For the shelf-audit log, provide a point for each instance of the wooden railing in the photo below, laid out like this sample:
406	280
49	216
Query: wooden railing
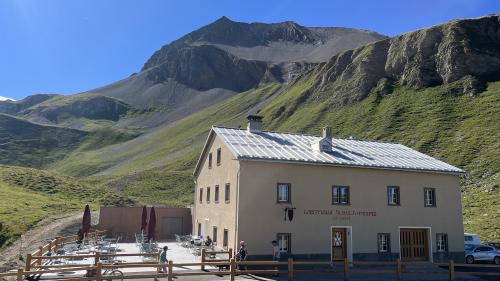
289	267
53	245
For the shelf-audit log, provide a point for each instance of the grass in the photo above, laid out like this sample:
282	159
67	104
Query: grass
36	194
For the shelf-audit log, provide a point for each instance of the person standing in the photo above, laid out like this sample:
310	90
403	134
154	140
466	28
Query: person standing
276	254
242	254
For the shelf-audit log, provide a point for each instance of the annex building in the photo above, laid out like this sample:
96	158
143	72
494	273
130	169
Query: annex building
324	197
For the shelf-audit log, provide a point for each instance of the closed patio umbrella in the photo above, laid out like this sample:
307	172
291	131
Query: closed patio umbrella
144	219
152	224
86	220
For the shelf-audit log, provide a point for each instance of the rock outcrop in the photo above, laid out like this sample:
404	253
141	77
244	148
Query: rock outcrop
467	50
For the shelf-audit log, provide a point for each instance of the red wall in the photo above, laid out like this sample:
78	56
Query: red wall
125	221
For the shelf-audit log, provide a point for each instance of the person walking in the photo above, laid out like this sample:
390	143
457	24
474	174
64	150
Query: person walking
276	254
164	259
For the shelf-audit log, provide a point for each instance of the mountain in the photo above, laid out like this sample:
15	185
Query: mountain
436	90
5	99
224	58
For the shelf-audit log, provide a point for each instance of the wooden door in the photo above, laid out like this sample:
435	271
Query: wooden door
339	243
414	244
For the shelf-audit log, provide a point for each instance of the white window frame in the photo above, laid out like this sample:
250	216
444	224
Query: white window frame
283	193
284	242
393	195
428	200
384	242
341	195
441	242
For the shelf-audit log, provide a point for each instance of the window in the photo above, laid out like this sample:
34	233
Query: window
284	242
227	193
199	229
384	242
210	160
214	235
216	200
441	242
208	194
340	195
201	195
393	195
283	192
429	197
218	156
225	238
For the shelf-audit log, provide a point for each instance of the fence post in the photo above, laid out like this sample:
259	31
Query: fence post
50	246
20	274
40	251
98	272
290	269
97	258
230	253
451	270
170	270
203	259
346	269
398	269
28	262
232	268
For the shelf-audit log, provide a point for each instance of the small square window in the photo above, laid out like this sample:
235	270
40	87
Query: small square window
283	193
340	195
384	242
201	195
227	193
208	194
218	156
216	200
210	160
441	242
393	196
429	197
284	242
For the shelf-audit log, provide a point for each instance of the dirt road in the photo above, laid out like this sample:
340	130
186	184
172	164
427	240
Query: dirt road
45	230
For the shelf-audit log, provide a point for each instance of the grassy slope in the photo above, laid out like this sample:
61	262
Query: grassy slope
35	194
460	130
157	167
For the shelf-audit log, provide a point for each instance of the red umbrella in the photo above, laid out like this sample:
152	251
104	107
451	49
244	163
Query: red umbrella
86	220
152	224
144	221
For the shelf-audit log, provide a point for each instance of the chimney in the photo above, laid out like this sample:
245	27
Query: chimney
254	123
327	132
325	143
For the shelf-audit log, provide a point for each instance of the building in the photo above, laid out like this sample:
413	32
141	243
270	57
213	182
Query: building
125	222
324	197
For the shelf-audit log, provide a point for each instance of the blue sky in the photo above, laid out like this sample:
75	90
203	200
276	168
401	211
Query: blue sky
59	46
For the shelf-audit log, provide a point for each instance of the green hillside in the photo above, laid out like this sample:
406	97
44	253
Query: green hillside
459	129
36	194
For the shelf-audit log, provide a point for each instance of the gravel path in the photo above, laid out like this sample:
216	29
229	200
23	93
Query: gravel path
47	229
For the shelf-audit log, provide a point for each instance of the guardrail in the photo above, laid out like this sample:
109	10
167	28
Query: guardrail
236	268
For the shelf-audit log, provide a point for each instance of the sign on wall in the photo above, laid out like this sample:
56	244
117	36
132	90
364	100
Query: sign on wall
340	214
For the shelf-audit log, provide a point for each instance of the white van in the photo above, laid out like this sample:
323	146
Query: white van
470	238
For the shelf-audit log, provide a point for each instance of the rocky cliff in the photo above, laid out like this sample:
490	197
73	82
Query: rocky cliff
466	50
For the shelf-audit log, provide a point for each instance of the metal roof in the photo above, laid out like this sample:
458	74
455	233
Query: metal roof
286	147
